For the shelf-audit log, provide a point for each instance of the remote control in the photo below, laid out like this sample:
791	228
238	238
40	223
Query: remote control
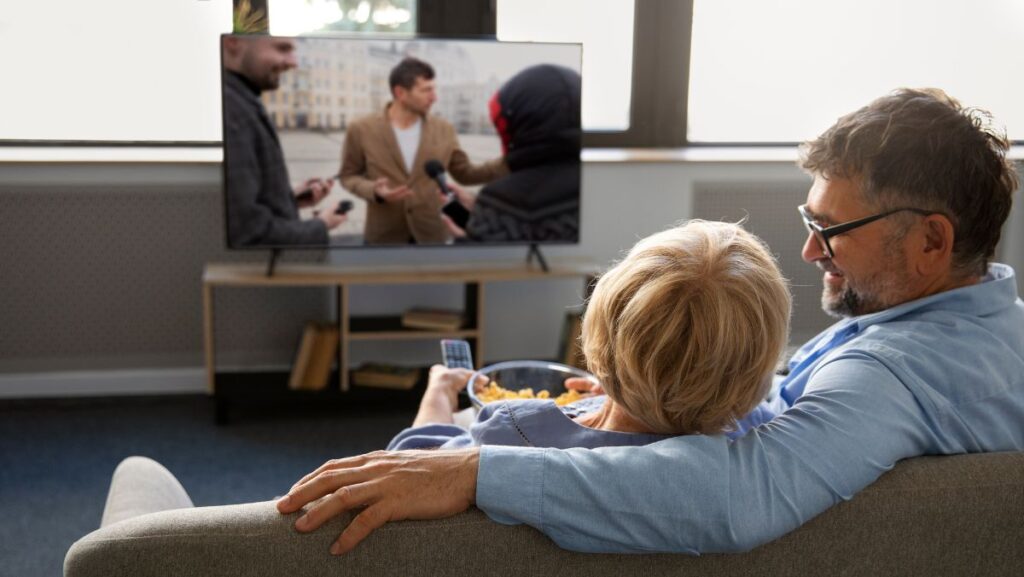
456	354
343	207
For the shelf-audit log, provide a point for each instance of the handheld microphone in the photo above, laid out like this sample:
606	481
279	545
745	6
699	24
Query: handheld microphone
453	208
435	170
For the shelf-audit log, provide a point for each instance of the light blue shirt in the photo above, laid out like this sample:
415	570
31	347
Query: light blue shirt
939	375
522	423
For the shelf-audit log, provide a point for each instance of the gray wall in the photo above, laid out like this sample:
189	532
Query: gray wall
101	268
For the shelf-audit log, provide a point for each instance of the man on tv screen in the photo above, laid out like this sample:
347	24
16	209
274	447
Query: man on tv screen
384	155
262	205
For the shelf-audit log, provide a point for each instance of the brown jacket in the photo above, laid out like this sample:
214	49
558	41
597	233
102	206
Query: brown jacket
371	151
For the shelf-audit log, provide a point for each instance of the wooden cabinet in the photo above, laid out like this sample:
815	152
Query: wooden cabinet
377	328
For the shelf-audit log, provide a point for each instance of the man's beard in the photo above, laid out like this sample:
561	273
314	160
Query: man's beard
856	297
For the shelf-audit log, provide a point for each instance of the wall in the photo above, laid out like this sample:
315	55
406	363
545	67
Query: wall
102	263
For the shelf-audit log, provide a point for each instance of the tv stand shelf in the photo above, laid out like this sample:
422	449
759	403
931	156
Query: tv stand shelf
377	328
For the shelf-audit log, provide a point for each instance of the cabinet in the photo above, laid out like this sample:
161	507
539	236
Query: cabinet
369	328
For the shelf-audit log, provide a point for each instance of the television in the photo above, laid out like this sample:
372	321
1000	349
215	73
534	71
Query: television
362	141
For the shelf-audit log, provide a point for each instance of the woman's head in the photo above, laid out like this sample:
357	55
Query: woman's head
686	331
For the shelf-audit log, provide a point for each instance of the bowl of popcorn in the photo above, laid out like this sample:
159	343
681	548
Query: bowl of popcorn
524	380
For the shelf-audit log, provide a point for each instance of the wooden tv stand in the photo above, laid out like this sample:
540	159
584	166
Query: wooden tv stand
367	328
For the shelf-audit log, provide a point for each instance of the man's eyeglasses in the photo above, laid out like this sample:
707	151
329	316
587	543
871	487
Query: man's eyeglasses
824	233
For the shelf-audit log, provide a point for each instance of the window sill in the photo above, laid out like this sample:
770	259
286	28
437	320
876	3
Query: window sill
202	155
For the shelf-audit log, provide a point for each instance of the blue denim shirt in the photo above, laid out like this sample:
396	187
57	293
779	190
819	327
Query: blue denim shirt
939	375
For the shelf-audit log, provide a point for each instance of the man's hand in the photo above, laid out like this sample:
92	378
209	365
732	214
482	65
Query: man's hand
312	191
392	486
331	219
383	189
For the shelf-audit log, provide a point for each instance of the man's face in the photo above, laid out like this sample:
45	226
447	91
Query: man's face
419	98
265	59
869	271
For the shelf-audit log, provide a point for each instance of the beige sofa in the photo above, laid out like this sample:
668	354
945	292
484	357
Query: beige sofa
956	515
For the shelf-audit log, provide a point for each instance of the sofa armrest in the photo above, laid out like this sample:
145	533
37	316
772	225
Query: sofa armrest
930	515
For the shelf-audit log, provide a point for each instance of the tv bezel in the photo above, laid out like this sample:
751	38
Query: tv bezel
533	245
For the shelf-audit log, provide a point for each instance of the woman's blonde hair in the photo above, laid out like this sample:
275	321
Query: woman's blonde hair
686	331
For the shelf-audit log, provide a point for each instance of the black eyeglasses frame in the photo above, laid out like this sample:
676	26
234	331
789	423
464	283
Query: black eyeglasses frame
824	233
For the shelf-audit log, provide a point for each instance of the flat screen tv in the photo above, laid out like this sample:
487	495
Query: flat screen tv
369	141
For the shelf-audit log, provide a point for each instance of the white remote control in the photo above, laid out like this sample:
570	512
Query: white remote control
456	354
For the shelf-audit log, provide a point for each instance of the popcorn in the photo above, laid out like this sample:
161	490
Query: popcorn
493	392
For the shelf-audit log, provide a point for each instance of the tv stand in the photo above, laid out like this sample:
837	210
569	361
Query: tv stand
355	328
274	253
535	251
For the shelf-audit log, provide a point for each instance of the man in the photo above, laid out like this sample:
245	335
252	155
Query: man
904	215
262	207
384	155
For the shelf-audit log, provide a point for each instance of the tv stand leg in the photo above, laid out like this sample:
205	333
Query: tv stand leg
274	253
535	251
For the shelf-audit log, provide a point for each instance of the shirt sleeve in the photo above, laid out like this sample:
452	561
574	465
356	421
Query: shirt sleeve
465	172
707	494
430	437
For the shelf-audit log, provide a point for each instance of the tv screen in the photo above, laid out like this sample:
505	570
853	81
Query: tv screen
363	141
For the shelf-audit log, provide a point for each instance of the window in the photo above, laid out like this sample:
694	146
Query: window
112	70
605	27
783	71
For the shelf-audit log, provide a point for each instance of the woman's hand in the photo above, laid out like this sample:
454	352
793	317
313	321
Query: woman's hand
588	387
441	399
392	486
447	383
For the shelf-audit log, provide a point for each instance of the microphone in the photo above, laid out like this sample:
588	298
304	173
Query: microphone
453	208
435	170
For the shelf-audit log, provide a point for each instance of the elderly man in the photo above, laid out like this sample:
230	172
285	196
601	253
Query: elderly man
903	218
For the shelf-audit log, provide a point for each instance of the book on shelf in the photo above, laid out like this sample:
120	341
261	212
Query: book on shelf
385	376
317	351
434	319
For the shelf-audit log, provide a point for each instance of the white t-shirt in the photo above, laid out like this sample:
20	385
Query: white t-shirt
409	141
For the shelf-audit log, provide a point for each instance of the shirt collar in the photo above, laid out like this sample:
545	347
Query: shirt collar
996	290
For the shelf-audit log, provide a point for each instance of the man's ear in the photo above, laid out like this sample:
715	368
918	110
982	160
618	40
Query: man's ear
936	248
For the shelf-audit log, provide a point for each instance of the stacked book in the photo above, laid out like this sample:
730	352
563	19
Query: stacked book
317	353
433	319
385	376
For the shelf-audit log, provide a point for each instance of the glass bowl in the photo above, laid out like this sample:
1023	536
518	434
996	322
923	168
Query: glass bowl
516	375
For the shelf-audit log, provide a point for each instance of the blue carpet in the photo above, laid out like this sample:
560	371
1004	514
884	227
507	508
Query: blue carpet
56	458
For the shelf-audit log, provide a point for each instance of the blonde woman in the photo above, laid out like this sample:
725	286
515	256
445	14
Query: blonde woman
684	334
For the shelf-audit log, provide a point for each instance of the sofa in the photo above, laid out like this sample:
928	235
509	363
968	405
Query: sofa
950	515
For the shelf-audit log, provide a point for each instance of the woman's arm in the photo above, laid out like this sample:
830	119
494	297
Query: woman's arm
441	398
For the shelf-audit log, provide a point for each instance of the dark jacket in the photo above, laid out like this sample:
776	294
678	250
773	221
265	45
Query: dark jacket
260	203
537	114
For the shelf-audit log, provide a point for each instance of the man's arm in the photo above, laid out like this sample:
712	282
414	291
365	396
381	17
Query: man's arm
687	494
464	171
353	166
250	222
701	494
